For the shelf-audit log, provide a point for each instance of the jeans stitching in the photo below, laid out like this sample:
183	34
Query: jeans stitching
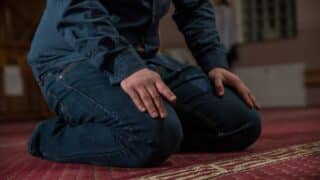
200	114
86	155
208	121
61	78
108	112
241	128
65	114
55	98
68	68
176	85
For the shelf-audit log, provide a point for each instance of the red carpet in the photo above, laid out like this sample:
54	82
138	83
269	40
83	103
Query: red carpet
288	149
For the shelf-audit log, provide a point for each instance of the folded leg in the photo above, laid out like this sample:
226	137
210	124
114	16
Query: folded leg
209	122
98	123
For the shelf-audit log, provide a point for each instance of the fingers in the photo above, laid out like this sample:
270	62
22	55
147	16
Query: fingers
243	90
148	102
145	87
246	95
254	100
157	100
136	100
165	91
218	83
221	76
247	98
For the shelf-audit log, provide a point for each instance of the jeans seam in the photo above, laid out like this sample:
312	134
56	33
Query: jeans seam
56	99
45	78
108	112
86	155
218	132
106	115
228	133
69	67
202	115
66	114
186	80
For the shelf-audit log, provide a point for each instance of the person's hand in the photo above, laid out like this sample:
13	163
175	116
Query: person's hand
145	87
221	76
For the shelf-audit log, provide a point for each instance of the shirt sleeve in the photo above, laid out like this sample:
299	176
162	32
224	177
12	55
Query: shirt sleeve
196	20
90	29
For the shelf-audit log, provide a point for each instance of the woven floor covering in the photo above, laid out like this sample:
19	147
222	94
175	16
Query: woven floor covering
289	148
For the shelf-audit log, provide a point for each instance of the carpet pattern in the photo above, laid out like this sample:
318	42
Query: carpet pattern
233	166
289	148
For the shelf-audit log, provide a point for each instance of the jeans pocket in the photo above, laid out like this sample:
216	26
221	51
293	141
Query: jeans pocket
53	89
77	108
69	67
47	86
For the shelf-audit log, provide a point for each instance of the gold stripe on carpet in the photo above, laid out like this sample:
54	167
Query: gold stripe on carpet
224	167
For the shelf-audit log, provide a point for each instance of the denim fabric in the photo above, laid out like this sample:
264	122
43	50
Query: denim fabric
98	123
108	34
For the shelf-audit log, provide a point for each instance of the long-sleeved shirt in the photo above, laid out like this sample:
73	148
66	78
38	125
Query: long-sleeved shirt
117	35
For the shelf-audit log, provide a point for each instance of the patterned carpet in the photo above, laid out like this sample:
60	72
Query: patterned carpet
288	149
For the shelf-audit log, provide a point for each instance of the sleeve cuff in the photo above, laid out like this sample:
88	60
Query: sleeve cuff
211	60
125	64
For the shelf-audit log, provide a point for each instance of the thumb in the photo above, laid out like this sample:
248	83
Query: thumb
219	86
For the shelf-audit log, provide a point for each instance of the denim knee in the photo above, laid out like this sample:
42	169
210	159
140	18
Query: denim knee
165	139
251	130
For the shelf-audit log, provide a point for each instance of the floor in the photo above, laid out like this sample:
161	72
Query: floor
289	148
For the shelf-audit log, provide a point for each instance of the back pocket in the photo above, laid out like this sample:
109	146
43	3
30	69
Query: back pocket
49	88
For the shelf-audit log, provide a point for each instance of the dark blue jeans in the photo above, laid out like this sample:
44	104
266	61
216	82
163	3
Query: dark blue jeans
98	123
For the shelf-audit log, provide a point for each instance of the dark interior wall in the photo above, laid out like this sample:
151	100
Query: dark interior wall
19	19
170	36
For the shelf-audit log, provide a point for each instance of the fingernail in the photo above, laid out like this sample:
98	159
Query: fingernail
154	114
163	115
142	109
259	107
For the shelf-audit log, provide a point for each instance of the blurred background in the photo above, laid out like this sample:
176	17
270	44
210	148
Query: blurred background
273	45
